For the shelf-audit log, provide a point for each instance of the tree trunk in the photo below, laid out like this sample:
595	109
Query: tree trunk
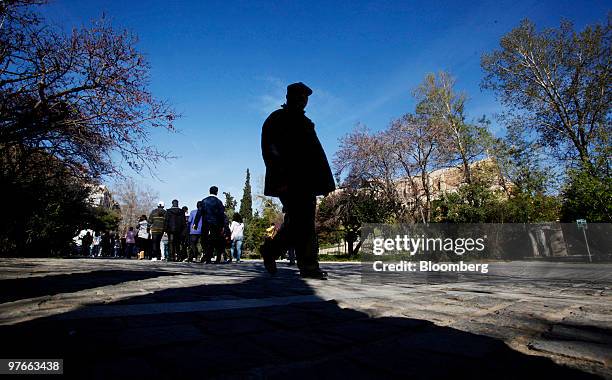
349	243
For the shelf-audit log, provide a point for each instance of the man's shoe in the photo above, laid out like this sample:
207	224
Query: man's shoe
268	258
316	274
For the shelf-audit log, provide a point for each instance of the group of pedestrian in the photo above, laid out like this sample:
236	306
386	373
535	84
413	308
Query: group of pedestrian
175	234
107	244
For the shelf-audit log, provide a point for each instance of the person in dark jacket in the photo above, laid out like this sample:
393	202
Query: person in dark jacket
213	212
297	171
174	225
86	244
157	221
105	244
184	251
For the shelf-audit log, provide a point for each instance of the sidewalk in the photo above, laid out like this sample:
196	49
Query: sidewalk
120	318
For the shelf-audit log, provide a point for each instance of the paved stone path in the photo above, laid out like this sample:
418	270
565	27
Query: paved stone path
136	319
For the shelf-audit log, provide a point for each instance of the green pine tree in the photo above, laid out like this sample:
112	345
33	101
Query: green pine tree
246	204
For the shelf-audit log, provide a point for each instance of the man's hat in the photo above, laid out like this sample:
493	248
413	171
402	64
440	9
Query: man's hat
160	204
299	88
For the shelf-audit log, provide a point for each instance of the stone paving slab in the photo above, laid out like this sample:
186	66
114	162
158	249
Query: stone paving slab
137	319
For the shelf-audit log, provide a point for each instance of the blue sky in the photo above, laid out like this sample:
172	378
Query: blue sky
224	65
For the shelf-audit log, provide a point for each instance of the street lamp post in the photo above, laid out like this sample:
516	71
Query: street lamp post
582	224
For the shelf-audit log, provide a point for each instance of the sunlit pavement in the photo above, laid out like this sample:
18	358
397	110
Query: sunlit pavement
142	319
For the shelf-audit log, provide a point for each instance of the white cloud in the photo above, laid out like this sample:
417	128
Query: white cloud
325	108
272	97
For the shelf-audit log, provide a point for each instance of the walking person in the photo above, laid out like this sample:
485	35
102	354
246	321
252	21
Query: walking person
297	171
86	244
213	212
174	225
95	252
185	245
122	246
130	242
194	235
227	239
164	247
116	243
237	234
105	244
111	239
291	255
157	220
142	238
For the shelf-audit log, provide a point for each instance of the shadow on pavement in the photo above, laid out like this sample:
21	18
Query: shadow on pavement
310	340
30	287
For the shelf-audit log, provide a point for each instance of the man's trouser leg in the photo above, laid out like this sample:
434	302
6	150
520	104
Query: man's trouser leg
181	250
234	249
298	230
170	251
141	245
207	242
291	255
178	247
185	247
156	240
238	248
218	242
193	251
174	242
149	247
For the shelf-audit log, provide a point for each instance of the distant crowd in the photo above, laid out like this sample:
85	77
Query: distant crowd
175	234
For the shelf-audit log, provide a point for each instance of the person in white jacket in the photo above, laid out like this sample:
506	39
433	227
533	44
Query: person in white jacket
237	230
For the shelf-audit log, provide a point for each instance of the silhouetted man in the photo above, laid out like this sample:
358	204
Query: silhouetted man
184	256
296	172
174	225
213	212
86	244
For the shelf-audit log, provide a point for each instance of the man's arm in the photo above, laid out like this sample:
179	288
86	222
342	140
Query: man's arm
166	217
275	151
199	214
271	146
222	212
191	219
183	223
